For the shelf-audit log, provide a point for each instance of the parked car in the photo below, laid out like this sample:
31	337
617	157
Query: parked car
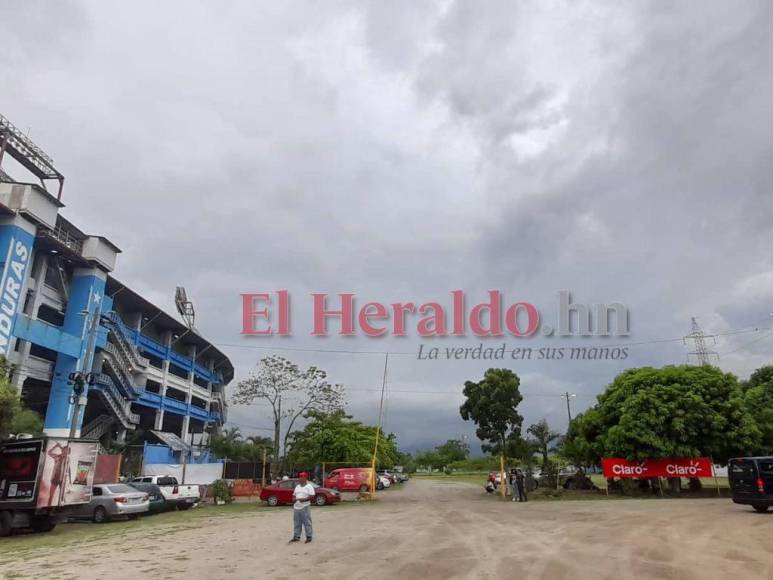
383	482
751	481
175	495
349	479
281	492
390	476
155	497
112	500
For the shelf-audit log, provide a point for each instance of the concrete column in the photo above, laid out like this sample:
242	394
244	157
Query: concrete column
192	356
17	236
20	361
159	422
86	292
185	428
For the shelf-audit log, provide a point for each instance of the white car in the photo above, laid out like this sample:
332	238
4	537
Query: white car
384	482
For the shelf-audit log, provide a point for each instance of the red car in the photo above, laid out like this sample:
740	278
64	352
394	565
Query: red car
281	492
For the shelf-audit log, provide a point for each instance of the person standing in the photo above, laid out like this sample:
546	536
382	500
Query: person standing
520	482
303	494
513	485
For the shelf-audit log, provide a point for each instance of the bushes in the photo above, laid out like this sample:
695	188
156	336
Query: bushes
221	491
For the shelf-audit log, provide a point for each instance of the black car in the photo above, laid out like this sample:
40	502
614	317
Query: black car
751	481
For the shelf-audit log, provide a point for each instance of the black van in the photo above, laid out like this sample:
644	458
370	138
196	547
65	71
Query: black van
751	481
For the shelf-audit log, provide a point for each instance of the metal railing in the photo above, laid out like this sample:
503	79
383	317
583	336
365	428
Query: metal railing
104	386
65	237
98	427
130	352
123	372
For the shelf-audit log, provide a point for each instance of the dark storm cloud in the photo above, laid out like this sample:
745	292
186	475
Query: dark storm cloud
619	151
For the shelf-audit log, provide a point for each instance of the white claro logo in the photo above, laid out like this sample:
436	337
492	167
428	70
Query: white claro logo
11	289
691	470
628	469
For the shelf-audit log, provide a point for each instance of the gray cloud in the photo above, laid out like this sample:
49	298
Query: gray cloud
618	151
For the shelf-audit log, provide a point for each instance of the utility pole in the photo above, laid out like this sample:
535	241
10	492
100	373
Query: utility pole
84	376
567	395
700	351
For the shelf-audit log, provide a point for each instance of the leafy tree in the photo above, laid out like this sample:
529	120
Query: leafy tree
14	417
758	402
493	405
453	450
290	392
336	437
430	459
542	439
407	461
674	411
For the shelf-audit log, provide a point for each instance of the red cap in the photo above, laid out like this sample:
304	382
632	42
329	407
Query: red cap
303	474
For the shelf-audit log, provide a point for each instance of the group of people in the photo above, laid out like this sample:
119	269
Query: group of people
516	480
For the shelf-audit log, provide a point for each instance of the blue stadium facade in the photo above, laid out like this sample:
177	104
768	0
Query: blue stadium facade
62	311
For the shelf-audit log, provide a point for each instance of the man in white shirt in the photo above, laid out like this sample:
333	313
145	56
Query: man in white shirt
303	494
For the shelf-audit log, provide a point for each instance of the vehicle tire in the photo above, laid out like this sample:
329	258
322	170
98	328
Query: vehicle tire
320	500
43	523
379	486
100	515
5	524
184	506
364	488
272	500
133	516
760	508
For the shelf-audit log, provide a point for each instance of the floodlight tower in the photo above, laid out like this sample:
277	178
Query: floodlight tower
184	307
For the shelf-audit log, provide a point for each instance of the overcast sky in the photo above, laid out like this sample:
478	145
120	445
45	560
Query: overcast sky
401	150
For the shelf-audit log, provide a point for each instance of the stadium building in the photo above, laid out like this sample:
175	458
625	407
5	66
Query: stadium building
63	312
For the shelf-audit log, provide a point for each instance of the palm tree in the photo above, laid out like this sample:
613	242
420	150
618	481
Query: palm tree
542	438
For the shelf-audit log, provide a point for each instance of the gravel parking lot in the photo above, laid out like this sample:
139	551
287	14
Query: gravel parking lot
428	529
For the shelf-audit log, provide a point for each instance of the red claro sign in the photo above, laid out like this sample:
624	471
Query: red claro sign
682	467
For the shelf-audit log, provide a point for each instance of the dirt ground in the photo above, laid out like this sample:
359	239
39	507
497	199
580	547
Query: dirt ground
433	529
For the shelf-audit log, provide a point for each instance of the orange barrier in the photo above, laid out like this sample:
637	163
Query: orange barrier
245	488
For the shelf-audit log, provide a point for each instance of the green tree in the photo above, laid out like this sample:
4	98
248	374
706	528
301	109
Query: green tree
430	459
674	411
336	437
542	439
453	450
493	405
758	402
407	461
14	417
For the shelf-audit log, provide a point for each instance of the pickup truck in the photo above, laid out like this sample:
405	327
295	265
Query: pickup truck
175	495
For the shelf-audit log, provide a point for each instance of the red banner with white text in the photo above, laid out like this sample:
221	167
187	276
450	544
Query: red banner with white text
675	467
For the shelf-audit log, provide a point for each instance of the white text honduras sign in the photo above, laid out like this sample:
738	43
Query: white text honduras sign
11	284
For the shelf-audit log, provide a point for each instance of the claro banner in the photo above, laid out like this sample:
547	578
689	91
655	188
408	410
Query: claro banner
682	467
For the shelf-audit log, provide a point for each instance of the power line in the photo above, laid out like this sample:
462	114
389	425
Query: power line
747	344
413	353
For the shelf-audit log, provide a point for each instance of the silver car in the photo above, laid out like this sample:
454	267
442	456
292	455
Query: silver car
112	500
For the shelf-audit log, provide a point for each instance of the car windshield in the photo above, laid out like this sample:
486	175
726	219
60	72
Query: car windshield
120	488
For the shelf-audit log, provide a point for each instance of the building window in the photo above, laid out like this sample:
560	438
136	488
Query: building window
50	315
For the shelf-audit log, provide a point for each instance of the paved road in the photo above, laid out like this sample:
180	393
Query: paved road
433	529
